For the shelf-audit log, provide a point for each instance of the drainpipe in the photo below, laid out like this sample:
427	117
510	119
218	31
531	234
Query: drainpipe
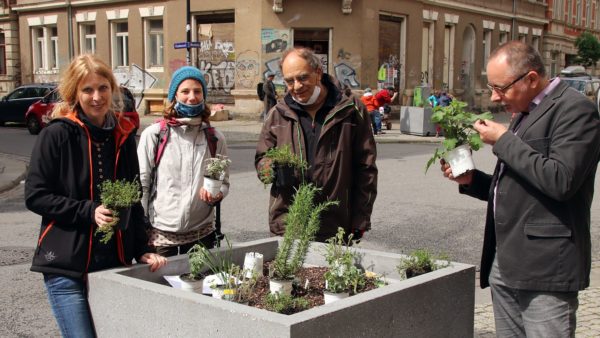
514	20
188	31
70	29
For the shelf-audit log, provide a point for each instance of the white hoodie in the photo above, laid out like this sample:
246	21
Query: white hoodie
180	175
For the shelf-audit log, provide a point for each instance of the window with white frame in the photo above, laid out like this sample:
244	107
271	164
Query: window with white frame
2	54
535	42
523	38
503	37
154	43
578	19
558	10
44	41
53	54
87	33
487	46
120	48
569	12
588	14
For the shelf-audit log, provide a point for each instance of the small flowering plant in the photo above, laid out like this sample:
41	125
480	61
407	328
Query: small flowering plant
216	167
343	275
117	196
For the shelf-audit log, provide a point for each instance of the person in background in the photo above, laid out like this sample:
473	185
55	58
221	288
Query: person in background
180	210
270	94
332	132
537	248
444	99
368	99
85	144
434	101
383	97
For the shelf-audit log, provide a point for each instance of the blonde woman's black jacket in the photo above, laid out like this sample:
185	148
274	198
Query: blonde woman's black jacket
59	188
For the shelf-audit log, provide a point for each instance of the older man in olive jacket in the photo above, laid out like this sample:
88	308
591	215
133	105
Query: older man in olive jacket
332	132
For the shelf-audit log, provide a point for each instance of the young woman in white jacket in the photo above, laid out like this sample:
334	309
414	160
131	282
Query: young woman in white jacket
180	209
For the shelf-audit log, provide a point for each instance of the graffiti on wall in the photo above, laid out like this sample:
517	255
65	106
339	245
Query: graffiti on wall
273	66
346	75
136	79
216	58
274	40
220	77
246	69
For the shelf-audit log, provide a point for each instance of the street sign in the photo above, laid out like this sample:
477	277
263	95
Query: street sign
195	44
180	45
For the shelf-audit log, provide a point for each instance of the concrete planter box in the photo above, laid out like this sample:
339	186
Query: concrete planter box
416	121
133	302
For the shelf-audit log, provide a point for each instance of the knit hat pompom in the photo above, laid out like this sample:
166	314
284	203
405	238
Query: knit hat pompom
182	74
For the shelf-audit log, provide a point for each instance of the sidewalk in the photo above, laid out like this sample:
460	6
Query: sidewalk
13	170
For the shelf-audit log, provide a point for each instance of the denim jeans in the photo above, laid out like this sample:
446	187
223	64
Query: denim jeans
69	304
525	313
376	120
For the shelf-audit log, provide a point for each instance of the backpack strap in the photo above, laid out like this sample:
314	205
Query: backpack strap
161	142
211	140
163	138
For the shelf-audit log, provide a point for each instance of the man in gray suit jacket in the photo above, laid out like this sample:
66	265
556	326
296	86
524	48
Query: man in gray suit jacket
537	248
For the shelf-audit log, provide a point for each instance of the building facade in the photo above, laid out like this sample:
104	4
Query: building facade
364	43
9	49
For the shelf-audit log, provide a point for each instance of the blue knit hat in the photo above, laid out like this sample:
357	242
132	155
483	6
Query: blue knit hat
182	74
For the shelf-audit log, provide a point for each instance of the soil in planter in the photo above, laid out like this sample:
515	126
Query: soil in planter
313	293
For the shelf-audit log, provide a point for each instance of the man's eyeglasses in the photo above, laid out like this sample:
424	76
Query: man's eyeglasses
503	89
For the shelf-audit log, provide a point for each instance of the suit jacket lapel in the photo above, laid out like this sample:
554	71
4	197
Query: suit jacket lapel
547	103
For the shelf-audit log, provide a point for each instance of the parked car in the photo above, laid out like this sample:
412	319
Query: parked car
586	85
14	105
39	113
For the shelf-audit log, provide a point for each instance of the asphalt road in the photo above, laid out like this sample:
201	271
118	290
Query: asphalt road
412	211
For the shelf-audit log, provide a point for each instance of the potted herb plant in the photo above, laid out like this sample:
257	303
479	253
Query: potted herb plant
460	137
118	197
302	223
343	276
284	164
215	169
223	280
419	262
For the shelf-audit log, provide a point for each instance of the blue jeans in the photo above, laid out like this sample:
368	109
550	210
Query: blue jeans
376	120
69	304
525	313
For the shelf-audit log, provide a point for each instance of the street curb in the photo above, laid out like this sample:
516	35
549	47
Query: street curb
15	182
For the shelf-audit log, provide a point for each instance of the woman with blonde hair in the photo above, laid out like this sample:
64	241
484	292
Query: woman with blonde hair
84	145
180	209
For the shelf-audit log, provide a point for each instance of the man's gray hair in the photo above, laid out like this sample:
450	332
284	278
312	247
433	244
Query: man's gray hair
313	61
521	58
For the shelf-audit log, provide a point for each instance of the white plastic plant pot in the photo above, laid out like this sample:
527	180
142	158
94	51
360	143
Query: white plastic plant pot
212	186
253	264
331	297
183	282
282	287
460	160
221	292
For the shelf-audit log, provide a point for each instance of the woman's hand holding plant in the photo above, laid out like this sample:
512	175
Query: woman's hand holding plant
102	216
208	198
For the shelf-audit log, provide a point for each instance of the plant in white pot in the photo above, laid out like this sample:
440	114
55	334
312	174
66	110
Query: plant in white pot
343	277
214	173
223	280
302	223
460	137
